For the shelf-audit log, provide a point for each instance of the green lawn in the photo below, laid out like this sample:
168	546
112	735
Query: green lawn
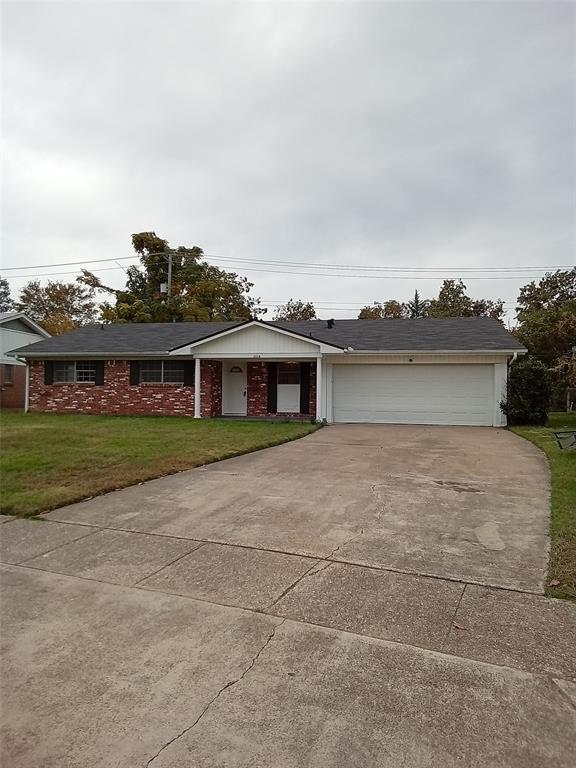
562	567
48	460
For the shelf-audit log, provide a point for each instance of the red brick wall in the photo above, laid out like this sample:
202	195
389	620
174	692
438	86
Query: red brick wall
12	395
116	396
257	390
210	388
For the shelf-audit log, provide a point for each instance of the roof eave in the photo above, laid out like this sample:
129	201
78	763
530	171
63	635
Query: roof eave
437	351
87	355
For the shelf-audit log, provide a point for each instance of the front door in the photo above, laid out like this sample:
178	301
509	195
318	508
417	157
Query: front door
234	388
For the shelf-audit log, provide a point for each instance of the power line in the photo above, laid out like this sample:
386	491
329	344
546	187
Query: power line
410	276
382	269
67	263
58	274
382	277
315	265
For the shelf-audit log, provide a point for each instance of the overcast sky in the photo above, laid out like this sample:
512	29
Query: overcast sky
411	135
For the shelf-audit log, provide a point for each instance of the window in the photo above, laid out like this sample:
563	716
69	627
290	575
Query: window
64	373
288	373
75	371
161	372
85	371
8	374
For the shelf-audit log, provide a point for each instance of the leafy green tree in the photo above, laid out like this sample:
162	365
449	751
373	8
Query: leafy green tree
374	312
417	307
453	301
198	290
295	309
529	392
7	304
219	295
378	311
58	307
546	313
394	309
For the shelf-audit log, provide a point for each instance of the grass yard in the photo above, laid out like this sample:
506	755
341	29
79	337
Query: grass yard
562	567
48	460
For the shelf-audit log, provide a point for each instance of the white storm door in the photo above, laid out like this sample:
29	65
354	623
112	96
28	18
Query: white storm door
234	388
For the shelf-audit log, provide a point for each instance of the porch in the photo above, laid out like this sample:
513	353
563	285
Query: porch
256	389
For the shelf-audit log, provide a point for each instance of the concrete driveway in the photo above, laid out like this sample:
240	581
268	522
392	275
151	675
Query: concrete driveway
366	596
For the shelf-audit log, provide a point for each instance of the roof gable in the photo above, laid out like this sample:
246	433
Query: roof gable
256	338
18	321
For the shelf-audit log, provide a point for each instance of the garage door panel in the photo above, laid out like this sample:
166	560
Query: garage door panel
404	394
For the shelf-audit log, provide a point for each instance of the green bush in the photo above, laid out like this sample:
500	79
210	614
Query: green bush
529	392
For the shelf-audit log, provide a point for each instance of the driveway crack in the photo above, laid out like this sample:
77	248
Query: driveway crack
225	687
345	543
306	574
454	615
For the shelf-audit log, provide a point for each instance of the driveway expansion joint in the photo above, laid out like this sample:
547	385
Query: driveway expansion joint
225	687
318	558
308	622
94	530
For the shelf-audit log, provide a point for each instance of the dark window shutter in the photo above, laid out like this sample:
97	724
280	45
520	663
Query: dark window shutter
272	406
48	372
134	373
304	387
99	378
189	366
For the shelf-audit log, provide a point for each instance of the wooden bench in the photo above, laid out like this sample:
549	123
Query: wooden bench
566	439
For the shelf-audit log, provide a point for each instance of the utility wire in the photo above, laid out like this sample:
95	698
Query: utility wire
408	276
271	262
357	267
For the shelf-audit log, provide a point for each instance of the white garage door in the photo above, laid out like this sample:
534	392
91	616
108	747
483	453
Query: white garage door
414	394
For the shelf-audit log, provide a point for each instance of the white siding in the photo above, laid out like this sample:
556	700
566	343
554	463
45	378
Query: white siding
409	394
254	341
11	339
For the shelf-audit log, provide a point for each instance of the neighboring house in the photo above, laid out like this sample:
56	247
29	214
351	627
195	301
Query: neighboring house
422	371
15	330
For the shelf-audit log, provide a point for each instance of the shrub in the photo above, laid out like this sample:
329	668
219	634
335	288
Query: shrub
529	392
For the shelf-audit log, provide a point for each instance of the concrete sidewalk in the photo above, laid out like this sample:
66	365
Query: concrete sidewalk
103	675
206	620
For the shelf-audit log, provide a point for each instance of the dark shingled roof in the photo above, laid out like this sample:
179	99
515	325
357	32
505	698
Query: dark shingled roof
423	334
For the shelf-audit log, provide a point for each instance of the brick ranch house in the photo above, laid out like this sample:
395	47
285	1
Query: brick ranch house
422	371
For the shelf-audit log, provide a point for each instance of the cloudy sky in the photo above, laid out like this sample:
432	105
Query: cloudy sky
435	138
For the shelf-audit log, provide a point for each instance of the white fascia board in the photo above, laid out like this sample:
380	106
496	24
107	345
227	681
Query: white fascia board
34	327
269	356
5	360
368	352
94	355
239	328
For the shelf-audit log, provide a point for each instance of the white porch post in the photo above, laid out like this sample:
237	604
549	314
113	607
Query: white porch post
197	386
319	393
27	388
